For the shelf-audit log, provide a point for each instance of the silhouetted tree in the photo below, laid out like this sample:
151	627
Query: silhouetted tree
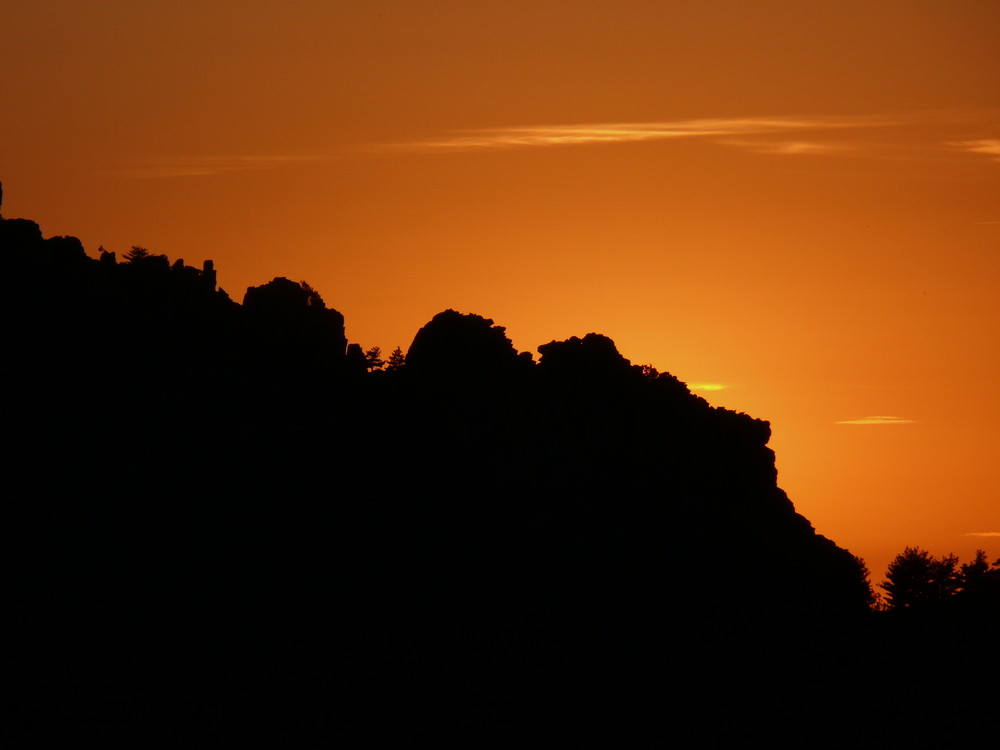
373	359
916	577
874	599
396	360
150	263
973	573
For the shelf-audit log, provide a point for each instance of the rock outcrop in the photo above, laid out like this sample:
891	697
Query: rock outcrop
214	502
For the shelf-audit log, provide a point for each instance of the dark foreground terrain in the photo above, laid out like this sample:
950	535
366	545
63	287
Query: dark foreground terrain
223	526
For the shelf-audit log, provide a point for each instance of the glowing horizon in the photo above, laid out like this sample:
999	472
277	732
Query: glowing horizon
782	196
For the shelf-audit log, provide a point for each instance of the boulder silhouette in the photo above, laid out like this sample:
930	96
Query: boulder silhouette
291	327
456	346
593	356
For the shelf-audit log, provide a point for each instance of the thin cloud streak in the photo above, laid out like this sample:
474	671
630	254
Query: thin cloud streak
785	147
563	135
989	147
982	533
877	420
707	387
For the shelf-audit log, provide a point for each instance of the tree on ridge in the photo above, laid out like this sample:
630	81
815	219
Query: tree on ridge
916	577
373	359
396	360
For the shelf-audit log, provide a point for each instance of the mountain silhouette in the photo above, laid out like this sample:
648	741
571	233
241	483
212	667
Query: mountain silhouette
223	528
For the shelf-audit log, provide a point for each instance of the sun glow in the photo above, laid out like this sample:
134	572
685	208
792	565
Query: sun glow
772	193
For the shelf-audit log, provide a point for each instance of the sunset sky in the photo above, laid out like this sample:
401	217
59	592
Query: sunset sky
792	206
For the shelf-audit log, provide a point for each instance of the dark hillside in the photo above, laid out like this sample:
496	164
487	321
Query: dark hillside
221	527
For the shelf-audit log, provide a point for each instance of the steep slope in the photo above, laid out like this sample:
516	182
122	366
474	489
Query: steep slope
209	501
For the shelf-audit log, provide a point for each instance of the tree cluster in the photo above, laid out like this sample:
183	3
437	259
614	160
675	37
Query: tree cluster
915	578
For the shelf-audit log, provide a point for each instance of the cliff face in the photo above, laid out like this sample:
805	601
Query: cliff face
219	477
623	470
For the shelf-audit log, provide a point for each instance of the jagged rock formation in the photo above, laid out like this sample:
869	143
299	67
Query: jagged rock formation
214	500
463	348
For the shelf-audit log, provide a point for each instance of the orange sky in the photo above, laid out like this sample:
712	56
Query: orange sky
798	201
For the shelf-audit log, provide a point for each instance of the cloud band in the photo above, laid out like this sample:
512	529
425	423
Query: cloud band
562	135
877	420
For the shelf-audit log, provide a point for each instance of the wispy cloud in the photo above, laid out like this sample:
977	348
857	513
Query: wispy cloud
982	533
200	166
595	133
785	147
877	420
990	147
